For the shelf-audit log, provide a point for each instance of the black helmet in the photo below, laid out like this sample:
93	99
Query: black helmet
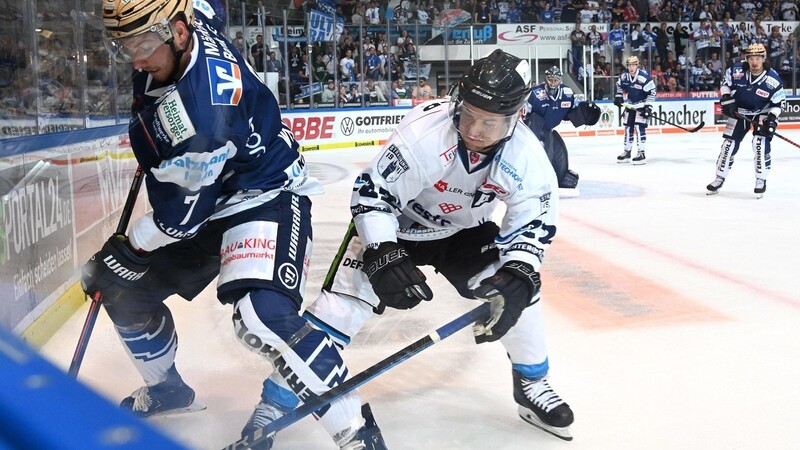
498	83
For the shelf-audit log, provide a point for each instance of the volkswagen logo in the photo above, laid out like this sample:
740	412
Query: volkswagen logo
347	126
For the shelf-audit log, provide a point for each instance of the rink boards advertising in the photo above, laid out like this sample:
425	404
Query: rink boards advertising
58	202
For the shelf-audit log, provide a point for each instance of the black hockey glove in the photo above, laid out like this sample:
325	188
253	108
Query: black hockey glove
768	126
397	282
728	105
510	290
113	269
646	111
618	101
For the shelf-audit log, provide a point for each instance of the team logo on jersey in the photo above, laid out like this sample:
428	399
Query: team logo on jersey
541	94
762	93
392	164
474	157
225	82
447	208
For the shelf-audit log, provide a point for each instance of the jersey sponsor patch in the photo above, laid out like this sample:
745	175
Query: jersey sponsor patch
772	82
566	104
174	120
544	202
392	164
762	93
225	82
195	170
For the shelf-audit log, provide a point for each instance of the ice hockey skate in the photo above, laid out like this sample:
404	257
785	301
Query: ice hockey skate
624	157
714	186
265	413
761	187
171	396
541	407
639	159
367	437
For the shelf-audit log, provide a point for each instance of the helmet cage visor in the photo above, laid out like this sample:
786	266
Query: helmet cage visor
482	126
139	46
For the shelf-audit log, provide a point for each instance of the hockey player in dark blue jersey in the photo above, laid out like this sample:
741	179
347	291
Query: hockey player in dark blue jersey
549	104
752	94
641	95
229	195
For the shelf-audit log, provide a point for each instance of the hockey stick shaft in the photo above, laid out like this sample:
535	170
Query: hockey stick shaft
94	308
690	130
776	134
393	360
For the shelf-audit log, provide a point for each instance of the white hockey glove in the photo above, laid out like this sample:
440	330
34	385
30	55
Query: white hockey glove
510	290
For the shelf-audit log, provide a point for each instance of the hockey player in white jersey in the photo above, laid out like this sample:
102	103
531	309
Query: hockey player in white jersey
428	199
229	195
641	91
752	94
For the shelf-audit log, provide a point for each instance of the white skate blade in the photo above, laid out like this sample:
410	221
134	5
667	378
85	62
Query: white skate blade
195	406
712	192
758	196
623	161
528	416
639	163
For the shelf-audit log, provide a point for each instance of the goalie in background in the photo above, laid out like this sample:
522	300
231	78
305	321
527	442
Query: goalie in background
549	104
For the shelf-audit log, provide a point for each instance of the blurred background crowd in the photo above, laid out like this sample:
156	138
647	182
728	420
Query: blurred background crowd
53	63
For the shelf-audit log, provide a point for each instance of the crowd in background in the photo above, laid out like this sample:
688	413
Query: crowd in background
46	77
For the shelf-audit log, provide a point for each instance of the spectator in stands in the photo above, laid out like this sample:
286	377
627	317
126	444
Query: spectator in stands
569	13
775	47
789	10
631	14
578	38
422	92
408	52
546	15
347	67
604	13
595	38
618	11
343	96
662	41
702	38
681	38
329	92
257	53
238	42
699	76
482	13
373	64
616	39
514	14
672	85
355	96
320	72
716	63
373	14
274	64
398	90
373	92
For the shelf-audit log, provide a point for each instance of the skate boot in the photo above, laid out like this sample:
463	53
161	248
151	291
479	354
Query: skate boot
540	406
367	437
761	187
714	186
624	157
265	413
639	159
171	396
